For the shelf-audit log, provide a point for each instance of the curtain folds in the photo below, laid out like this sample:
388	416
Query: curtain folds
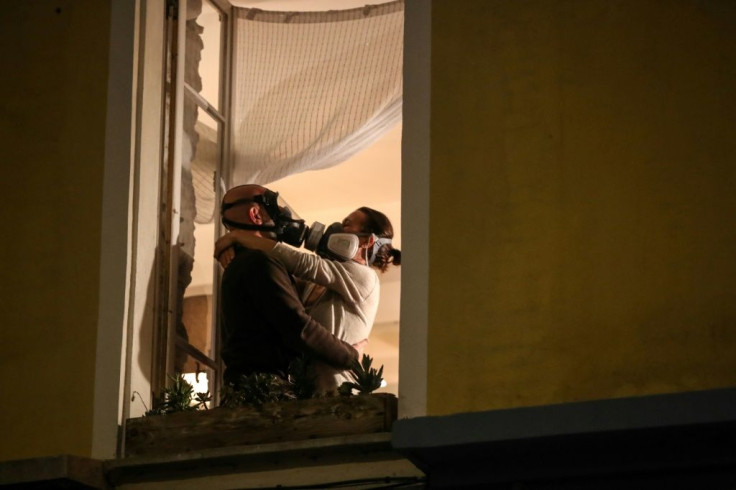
311	89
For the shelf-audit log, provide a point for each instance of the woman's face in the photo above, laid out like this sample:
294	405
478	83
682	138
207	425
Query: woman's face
354	222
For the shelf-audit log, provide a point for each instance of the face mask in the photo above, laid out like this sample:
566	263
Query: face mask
287	227
331	243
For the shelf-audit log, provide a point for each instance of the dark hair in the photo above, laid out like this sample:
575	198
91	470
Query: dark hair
377	223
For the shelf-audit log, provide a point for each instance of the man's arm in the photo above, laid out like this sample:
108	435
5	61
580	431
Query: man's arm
272	288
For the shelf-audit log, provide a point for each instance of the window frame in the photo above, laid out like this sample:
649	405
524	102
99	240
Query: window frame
166	341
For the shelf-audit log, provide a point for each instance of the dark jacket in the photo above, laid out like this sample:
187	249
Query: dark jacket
264	325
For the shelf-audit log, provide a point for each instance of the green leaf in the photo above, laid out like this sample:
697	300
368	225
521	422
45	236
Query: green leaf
365	378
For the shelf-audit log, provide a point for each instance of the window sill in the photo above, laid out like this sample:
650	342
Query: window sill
368	458
321	442
309	462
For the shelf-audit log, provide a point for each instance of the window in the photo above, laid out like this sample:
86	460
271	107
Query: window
196	132
194	154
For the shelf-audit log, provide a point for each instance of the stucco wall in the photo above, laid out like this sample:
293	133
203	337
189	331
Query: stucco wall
52	115
581	201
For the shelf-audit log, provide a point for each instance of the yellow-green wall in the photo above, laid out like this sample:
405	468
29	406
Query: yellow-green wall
52	122
582	201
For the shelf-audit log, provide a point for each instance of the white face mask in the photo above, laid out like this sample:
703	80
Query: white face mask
332	243
343	245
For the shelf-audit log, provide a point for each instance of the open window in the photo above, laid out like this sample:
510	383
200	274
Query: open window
210	145
194	156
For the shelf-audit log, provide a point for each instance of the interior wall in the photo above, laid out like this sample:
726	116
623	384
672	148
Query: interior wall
52	116
581	201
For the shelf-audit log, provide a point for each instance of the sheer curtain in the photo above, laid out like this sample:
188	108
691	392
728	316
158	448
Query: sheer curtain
311	89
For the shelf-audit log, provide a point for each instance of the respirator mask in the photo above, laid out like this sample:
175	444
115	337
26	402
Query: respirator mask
333	243
329	242
286	226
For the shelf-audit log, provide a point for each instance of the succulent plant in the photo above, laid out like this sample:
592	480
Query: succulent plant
255	389
178	398
365	378
303	381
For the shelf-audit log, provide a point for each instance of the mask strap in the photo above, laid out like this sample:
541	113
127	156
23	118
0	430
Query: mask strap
226	206
377	244
242	226
269	200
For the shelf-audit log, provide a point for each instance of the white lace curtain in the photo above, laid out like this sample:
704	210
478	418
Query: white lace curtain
311	89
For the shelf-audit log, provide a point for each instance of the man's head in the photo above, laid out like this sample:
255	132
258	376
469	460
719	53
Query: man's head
239	207
256	208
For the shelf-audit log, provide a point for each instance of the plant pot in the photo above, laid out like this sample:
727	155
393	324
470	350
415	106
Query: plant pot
292	420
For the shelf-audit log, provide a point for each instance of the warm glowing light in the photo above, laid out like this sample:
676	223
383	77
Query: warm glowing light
199	382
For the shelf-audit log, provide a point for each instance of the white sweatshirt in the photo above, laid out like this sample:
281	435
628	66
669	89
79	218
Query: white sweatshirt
347	308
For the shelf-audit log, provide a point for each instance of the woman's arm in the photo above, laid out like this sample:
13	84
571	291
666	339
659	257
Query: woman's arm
350	280
354	284
224	252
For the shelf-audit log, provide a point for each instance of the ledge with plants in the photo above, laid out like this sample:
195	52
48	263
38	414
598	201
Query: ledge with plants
261	408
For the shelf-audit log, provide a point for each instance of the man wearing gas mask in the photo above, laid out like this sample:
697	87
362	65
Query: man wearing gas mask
343	287
264	323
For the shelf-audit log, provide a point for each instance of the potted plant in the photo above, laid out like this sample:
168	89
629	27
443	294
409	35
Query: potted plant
261	409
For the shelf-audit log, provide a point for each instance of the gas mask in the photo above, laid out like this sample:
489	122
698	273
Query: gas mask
286	225
289	228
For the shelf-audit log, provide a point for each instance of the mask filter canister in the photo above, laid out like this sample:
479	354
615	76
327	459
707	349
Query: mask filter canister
331	242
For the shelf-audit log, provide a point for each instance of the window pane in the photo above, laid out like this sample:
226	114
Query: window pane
206	147
199	376
200	155
197	317
204	49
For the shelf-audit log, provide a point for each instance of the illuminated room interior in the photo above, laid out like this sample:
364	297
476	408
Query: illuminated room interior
370	178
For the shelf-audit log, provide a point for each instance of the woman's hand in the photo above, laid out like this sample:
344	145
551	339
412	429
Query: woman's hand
225	243
360	347
226	256
224	251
